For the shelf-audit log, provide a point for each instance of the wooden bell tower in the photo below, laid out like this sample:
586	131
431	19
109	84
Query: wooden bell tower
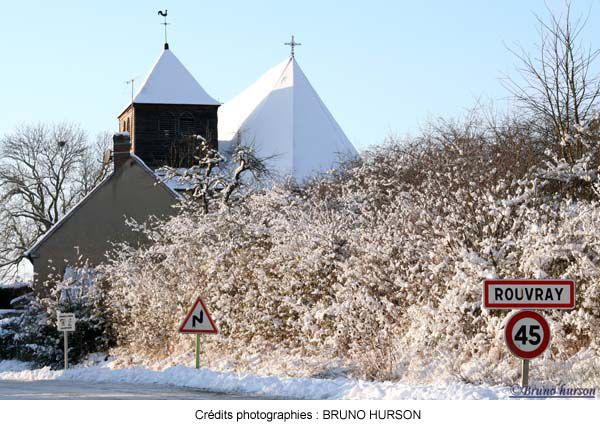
170	114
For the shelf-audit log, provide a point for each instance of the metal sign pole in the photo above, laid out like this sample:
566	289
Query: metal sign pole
197	351
525	373
66	349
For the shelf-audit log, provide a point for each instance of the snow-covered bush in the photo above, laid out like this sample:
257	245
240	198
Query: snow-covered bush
7	347
379	265
33	335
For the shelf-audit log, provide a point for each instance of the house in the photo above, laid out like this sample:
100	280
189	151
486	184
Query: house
86	232
281	115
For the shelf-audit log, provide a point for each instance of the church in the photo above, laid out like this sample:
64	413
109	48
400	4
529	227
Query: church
280	115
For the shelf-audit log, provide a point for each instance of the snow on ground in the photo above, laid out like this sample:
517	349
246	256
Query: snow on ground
272	386
12	366
4	312
13	286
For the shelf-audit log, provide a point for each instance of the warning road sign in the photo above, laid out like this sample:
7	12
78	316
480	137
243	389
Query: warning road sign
198	320
527	334
528	294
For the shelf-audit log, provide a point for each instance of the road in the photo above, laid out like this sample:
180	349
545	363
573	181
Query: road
64	390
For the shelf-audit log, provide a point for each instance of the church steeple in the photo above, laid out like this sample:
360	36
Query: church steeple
168	109
298	135
169	82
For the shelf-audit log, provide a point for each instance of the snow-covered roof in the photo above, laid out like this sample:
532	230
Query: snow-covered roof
33	248
283	117
169	82
170	185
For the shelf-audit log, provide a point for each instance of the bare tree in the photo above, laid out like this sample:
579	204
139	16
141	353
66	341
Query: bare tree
557	83
216	178
183	148
44	171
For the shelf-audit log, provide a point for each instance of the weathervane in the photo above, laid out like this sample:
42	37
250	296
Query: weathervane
293	44
164	15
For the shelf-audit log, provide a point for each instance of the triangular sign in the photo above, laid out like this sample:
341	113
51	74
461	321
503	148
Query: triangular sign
198	320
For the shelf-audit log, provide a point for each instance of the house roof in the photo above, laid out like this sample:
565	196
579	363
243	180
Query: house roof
283	117
169	82
29	253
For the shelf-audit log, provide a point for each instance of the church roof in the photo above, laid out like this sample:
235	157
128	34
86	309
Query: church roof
283	117
169	82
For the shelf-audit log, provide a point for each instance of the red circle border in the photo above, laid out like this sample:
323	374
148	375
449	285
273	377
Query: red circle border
526	355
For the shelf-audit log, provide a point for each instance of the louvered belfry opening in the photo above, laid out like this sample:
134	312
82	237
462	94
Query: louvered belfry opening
166	134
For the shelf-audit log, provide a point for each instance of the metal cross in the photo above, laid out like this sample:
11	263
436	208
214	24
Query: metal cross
164	15
293	44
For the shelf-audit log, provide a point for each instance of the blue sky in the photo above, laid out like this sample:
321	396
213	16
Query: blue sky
380	66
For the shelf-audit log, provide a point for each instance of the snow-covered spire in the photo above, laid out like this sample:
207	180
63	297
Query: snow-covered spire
169	82
284	118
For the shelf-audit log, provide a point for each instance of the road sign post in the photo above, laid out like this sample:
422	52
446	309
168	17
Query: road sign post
66	346
65	322
198	321
197	351
527	334
525	373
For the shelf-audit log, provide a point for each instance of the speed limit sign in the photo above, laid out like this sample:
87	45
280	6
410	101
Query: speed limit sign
527	334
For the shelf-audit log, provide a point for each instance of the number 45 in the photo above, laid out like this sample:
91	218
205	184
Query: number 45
534	336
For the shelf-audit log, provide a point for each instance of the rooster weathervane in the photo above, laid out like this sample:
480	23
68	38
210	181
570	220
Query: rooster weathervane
165	23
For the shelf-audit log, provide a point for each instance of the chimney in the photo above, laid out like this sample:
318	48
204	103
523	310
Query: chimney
121	148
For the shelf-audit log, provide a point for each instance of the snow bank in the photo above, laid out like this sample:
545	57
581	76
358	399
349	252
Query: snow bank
10	366
272	386
14	286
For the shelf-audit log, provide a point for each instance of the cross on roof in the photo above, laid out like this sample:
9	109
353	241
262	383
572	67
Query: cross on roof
293	44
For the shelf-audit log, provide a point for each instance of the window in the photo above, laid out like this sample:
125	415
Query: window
186	123
166	124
